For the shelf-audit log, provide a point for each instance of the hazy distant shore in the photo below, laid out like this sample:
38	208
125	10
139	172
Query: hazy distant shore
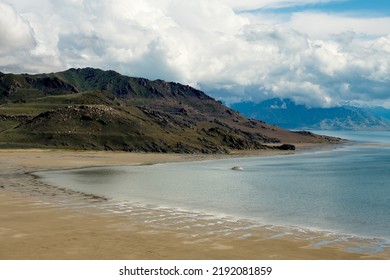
35	226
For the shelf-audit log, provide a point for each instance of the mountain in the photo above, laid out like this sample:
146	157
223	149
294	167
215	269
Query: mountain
103	110
287	114
379	112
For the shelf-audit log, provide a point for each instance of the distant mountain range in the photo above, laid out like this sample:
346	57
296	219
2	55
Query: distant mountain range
285	113
94	109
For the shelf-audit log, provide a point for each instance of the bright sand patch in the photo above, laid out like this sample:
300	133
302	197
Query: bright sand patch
37	223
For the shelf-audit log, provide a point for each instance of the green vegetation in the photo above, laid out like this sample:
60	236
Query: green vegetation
103	110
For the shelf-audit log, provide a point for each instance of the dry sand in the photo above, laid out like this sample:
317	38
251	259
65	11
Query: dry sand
42	222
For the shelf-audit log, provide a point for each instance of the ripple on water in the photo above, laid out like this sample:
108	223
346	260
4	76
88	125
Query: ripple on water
198	226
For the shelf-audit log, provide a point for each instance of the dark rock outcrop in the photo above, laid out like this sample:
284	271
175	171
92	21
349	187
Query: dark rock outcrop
286	147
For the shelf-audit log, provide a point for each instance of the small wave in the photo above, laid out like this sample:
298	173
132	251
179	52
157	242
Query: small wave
201	225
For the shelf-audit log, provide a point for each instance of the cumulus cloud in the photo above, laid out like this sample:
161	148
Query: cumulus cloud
245	5
320	25
15	32
205	43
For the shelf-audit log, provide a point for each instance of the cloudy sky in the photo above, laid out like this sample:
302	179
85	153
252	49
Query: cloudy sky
318	52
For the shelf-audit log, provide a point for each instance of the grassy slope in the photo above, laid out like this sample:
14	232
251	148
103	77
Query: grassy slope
123	113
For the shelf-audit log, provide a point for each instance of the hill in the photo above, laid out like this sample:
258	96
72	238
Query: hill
104	110
287	114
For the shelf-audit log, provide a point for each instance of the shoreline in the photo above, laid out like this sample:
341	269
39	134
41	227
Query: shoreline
37	226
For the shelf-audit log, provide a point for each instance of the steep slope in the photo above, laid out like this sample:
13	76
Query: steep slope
94	109
287	114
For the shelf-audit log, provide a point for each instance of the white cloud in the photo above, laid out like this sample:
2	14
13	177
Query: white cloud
320	25
243	5
15	32
205	43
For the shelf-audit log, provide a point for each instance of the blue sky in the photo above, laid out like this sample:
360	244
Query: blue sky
317	52
357	6
363	8
380	6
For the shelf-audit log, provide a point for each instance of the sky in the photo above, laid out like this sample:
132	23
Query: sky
321	53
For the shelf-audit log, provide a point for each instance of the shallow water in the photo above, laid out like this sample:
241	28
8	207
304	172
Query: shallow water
343	191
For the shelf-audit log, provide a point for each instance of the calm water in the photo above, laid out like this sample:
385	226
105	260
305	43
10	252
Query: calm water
346	190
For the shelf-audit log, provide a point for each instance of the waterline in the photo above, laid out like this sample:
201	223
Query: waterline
341	195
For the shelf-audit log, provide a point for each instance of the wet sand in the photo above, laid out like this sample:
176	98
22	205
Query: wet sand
42	222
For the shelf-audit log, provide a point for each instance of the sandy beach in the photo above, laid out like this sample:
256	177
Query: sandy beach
41	222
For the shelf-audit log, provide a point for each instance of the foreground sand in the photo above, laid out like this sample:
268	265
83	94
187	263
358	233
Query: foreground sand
34	226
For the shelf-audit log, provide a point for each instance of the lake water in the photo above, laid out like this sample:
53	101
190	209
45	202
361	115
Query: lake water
345	190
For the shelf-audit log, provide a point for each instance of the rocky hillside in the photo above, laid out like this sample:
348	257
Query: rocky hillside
103	110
